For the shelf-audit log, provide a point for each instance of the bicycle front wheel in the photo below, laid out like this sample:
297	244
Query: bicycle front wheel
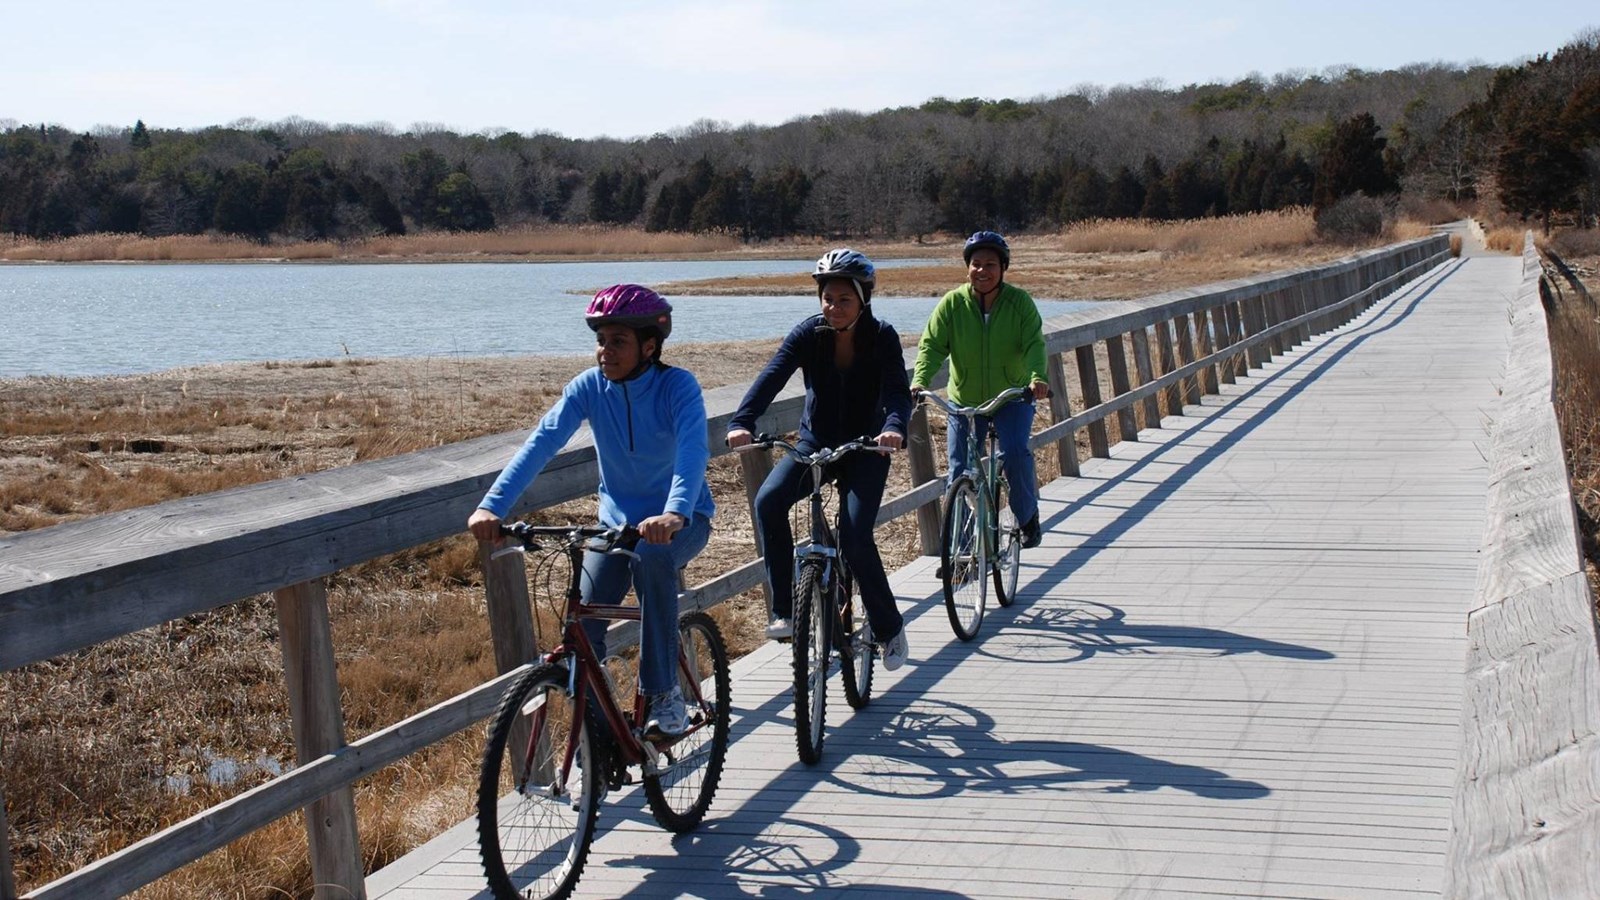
810	648
1008	546
965	568
534	831
684	778
853	636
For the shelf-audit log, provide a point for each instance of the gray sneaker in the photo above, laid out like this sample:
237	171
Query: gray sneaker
895	651
668	715
780	629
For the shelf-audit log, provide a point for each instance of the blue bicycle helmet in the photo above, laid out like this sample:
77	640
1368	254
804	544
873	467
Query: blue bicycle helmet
991	240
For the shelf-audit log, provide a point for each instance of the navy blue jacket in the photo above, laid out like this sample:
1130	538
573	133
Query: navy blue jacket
869	398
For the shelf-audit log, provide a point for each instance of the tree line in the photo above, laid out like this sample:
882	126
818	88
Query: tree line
1527	136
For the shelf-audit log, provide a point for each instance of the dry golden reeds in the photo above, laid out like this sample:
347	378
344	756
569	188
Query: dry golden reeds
1232	235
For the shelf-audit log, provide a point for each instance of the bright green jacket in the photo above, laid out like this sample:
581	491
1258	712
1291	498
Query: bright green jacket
985	357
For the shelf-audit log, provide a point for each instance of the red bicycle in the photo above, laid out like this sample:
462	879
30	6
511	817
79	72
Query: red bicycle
560	739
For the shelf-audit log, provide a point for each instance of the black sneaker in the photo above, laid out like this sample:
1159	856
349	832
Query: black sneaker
1030	533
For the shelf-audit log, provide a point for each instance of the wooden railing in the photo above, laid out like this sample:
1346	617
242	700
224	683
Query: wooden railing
81	583
1526	816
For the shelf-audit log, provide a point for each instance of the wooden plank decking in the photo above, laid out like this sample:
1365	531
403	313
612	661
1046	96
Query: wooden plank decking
1236	667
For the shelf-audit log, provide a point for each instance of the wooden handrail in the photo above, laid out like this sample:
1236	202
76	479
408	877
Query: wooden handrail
81	583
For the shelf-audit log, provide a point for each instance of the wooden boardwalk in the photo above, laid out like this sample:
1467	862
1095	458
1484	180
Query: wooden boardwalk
1235	668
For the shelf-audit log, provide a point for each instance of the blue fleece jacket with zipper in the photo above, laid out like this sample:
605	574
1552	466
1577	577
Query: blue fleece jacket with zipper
649	436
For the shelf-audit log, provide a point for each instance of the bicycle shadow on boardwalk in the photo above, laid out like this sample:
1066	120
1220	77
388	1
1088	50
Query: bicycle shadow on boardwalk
1079	629
779	856
938	748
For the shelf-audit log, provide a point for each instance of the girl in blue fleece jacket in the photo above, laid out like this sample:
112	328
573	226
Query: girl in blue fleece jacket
648	420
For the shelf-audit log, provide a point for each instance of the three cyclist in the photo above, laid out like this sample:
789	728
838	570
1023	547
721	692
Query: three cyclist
993	335
649	425
855	379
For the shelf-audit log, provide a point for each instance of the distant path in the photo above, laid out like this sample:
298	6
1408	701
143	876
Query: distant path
1235	669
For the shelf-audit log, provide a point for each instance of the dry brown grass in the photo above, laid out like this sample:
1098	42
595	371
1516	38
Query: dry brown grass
1256	233
1575	345
1505	239
511	243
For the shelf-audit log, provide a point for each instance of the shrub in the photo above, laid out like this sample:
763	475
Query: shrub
1351	219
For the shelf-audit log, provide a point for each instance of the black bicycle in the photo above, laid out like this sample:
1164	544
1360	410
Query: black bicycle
560	739
829	615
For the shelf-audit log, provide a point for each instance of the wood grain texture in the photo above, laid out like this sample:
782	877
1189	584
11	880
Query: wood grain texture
1526	810
305	636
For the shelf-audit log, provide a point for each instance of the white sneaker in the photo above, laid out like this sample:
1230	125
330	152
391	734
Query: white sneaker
667	714
780	629
895	651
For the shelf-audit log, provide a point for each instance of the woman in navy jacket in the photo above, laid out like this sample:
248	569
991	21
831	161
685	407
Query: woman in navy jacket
856	386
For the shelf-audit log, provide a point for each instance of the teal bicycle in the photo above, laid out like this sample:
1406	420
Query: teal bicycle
979	535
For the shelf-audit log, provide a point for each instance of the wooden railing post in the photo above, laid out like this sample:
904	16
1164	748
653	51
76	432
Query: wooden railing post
1191	385
313	683
511	627
1146	374
1255	322
754	467
1169	362
919	456
1239	366
1089	377
1117	361
1061	409
1202	328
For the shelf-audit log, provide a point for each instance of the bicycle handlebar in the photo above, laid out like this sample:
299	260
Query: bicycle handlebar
987	409
820	457
616	539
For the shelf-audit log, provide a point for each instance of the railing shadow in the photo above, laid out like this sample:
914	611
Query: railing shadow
1163	488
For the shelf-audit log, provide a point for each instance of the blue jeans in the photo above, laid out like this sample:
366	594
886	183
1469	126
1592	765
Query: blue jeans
654	576
861	478
1013	424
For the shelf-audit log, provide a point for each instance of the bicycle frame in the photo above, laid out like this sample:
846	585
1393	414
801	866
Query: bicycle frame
586	675
987	468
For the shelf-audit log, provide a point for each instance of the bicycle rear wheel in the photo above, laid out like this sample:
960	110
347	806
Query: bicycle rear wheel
965	569
853	636
1007	546
684	778
532	841
811	650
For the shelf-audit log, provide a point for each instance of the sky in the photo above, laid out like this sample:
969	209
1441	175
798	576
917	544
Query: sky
632	68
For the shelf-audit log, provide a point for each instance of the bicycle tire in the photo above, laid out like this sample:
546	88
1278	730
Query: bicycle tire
533	844
1007	546
811	650
853	637
965	568
685	776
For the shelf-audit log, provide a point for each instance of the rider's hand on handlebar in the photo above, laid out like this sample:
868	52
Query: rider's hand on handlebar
738	437
1041	390
660	529
890	440
484	525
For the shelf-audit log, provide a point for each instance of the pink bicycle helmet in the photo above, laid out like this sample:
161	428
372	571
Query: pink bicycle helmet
632	305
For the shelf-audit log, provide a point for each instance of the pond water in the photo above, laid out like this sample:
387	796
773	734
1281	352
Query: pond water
71	320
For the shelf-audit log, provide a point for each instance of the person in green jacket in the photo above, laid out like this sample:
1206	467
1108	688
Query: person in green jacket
993	336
